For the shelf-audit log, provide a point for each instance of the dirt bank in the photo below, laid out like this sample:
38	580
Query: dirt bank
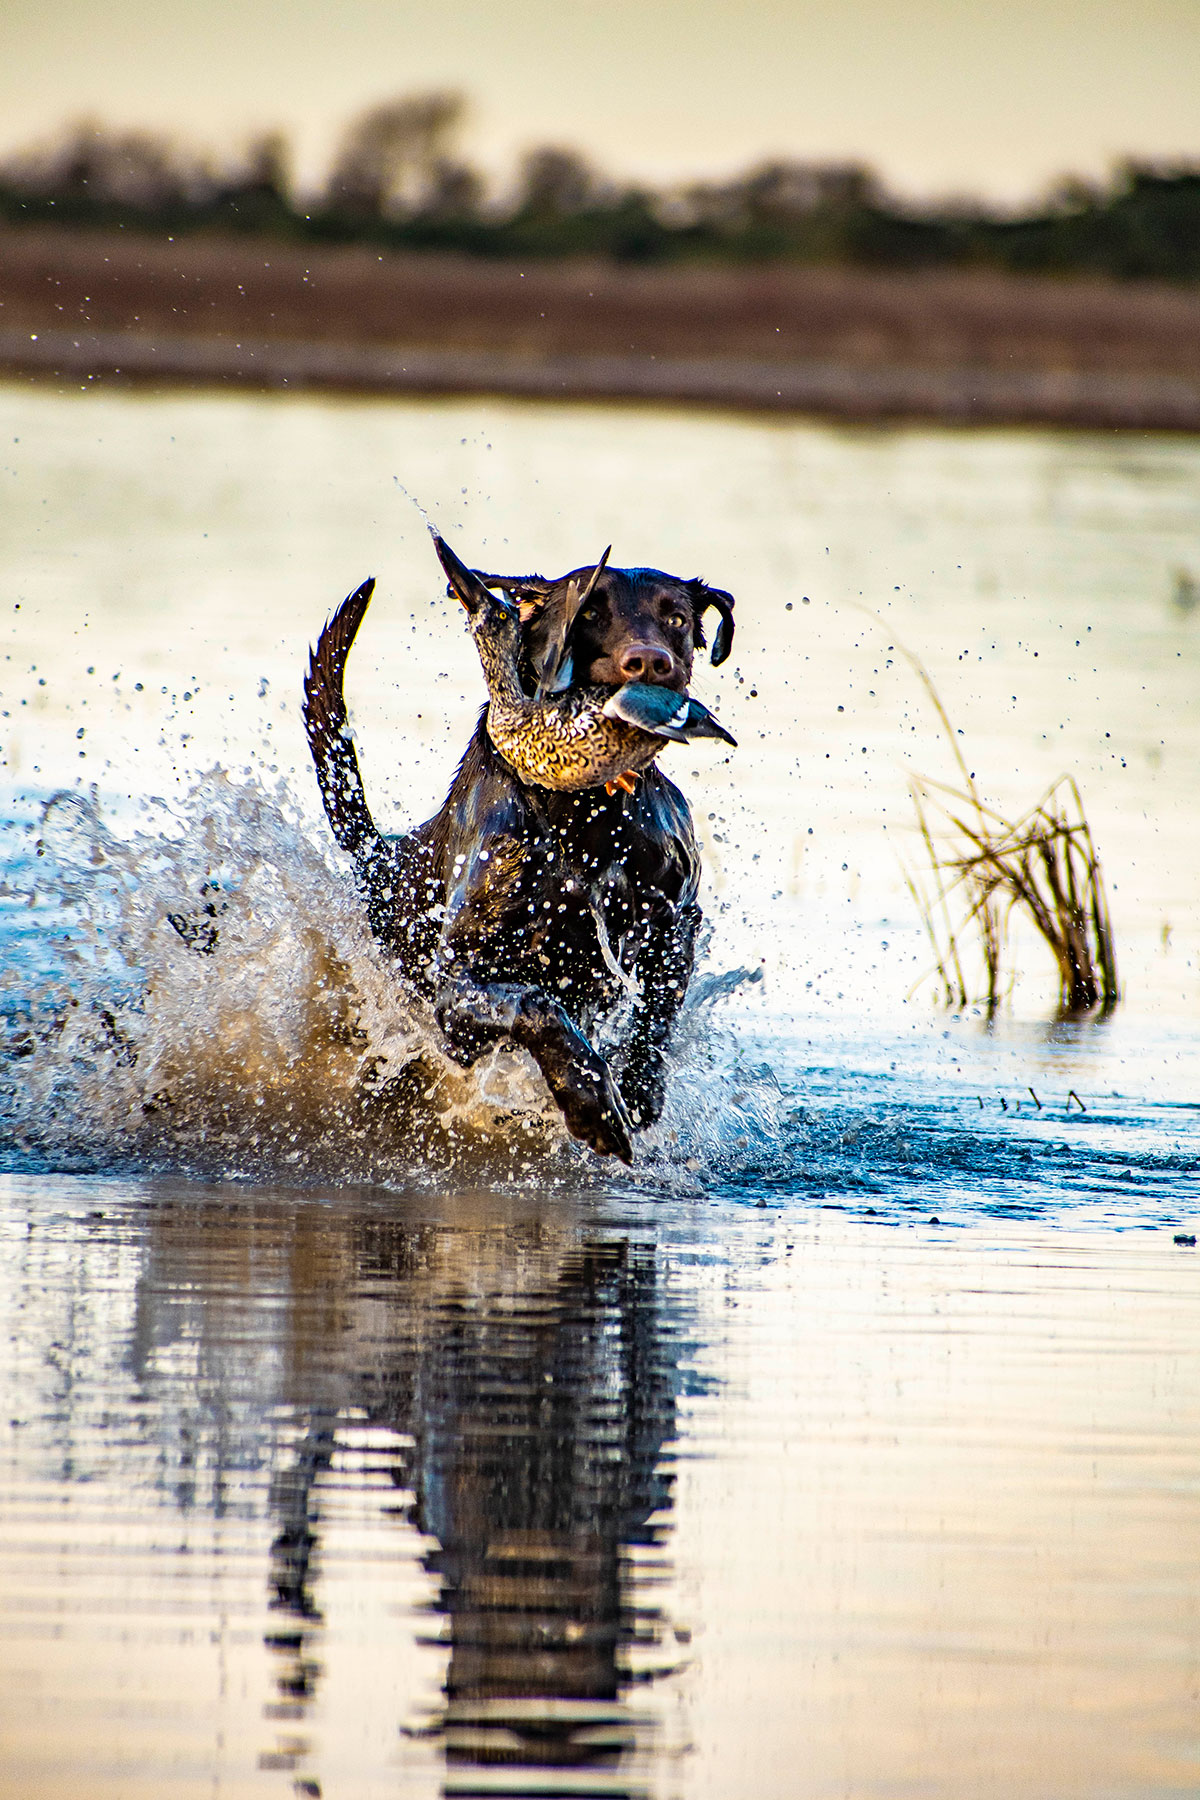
77	305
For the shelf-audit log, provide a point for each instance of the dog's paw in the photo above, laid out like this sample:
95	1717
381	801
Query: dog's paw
594	1111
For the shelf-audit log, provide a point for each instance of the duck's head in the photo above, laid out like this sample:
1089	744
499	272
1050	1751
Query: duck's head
495	621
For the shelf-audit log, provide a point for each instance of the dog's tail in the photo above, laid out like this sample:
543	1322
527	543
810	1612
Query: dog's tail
328	728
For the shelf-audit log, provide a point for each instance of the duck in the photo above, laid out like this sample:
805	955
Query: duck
577	737
677	717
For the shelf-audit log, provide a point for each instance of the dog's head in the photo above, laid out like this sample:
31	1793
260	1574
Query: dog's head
609	626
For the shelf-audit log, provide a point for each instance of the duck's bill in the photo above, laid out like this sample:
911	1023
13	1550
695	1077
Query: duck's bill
708	727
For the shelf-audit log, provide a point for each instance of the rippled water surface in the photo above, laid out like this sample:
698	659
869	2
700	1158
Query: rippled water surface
848	1444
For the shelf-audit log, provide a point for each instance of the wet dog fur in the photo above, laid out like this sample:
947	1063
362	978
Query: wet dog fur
522	913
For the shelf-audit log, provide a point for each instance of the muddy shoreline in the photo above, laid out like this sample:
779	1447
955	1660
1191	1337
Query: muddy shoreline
87	308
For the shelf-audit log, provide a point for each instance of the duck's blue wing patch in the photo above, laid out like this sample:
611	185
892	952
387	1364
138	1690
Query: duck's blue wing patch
657	709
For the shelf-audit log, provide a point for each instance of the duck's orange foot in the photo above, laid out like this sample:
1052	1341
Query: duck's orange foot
626	781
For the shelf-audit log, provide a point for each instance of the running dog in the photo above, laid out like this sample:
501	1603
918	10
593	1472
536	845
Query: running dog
524	913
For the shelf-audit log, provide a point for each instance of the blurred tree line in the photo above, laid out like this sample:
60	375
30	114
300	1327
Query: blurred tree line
397	182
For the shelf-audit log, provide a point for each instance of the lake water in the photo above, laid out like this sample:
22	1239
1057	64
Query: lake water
849	1444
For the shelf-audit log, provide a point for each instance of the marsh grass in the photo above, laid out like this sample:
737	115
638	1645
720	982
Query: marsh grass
984	868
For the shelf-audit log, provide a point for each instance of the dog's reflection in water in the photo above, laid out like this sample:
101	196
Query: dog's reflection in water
530	1368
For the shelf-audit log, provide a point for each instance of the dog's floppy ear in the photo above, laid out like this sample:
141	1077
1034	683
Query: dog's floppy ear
703	597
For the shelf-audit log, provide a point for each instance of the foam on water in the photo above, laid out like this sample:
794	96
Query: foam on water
193	989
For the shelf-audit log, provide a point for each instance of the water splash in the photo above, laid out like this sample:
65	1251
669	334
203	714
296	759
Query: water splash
202	994
430	527
197	992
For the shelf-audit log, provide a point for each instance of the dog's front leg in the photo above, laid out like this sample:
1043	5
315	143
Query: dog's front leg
475	1014
664	968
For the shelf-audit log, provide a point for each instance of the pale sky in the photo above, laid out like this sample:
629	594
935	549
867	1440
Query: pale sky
941	96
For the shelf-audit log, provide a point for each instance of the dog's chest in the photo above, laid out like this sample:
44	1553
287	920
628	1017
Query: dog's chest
623	875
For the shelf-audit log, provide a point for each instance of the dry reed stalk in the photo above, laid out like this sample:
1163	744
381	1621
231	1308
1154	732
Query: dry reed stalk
984	867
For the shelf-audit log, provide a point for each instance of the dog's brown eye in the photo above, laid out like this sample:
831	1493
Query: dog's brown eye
676	621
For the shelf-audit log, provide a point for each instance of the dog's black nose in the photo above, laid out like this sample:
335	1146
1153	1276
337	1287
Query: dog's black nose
646	662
